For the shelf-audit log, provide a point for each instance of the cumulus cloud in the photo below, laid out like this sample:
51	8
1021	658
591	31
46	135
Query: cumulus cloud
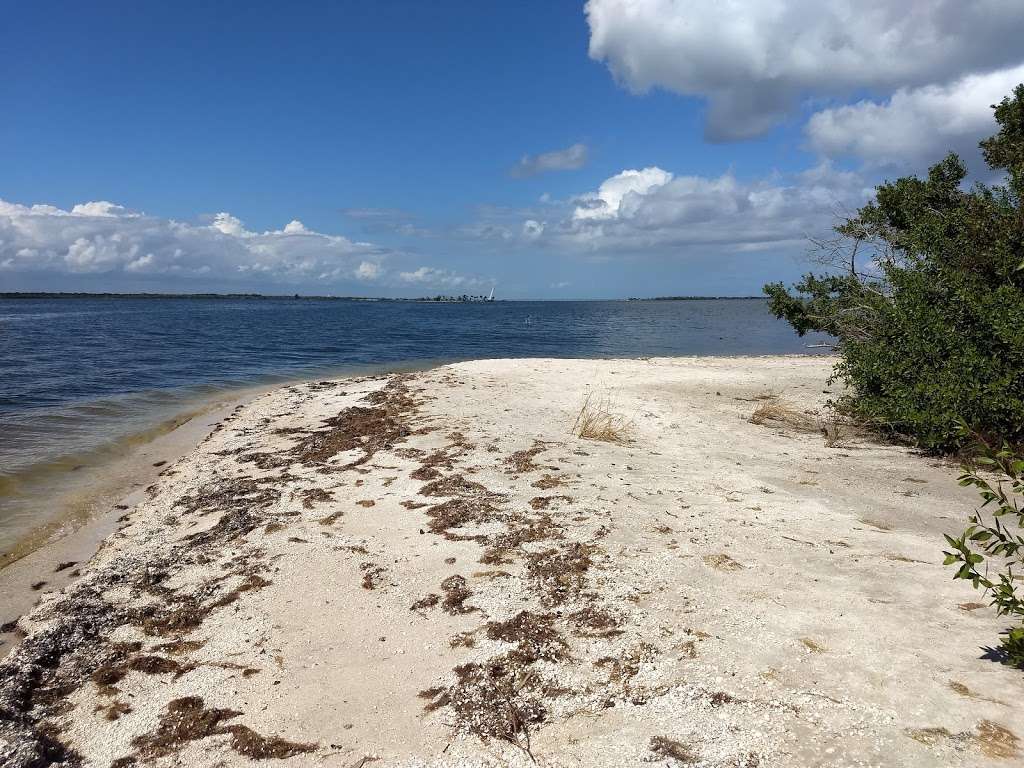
654	211
101	208
532	229
568	159
368	270
629	186
916	126
755	60
105	238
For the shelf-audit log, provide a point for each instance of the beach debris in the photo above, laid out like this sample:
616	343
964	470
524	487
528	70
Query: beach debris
373	575
722	562
559	573
522	462
670	749
597	420
312	496
812	646
189	719
543	502
456	593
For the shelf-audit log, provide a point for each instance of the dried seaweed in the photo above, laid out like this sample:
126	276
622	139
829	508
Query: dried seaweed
534	636
671	749
456	592
521	462
560	573
188	719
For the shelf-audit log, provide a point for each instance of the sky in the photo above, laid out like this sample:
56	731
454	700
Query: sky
549	150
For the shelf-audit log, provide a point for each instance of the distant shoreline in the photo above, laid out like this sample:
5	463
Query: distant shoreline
293	297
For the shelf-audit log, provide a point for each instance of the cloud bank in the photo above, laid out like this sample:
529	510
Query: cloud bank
916	126
658	214
103	238
755	61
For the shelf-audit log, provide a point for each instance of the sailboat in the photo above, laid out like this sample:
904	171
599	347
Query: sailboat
491	297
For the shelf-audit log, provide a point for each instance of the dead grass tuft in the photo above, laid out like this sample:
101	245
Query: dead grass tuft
597	420
722	562
995	741
775	413
837	429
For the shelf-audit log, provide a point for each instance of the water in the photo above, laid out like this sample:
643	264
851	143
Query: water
83	380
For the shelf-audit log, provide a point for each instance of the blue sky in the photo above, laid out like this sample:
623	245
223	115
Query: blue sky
445	147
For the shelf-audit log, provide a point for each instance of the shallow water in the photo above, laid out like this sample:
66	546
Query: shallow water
84	380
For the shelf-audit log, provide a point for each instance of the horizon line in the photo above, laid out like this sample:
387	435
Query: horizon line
297	296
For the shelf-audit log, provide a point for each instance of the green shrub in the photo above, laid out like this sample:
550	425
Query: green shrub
990	552
925	297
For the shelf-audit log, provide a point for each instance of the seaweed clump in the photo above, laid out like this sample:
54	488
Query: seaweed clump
534	635
663	746
456	592
361	428
188	719
498	699
521	462
559	573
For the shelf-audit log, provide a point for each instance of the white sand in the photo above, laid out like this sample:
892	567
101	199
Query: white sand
744	595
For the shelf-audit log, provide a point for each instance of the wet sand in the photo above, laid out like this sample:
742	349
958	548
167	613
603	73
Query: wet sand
430	569
49	557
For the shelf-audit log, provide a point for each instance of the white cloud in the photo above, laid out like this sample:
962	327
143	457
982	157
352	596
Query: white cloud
754	60
430	276
100	208
568	159
229	225
532	229
140	264
105	238
653	211
368	270
101	238
607	201
916	126
296	227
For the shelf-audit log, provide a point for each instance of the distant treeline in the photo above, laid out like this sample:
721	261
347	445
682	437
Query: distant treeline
696	298
235	296
280	297
464	298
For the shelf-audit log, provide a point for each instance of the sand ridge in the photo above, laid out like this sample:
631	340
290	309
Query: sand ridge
428	569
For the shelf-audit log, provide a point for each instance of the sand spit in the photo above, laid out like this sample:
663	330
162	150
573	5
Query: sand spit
429	570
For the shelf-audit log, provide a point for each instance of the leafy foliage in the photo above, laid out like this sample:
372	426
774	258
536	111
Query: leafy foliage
990	550
924	291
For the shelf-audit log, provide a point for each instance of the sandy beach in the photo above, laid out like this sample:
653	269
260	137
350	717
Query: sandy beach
430	569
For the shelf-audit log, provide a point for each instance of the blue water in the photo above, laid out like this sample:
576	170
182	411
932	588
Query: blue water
78	374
